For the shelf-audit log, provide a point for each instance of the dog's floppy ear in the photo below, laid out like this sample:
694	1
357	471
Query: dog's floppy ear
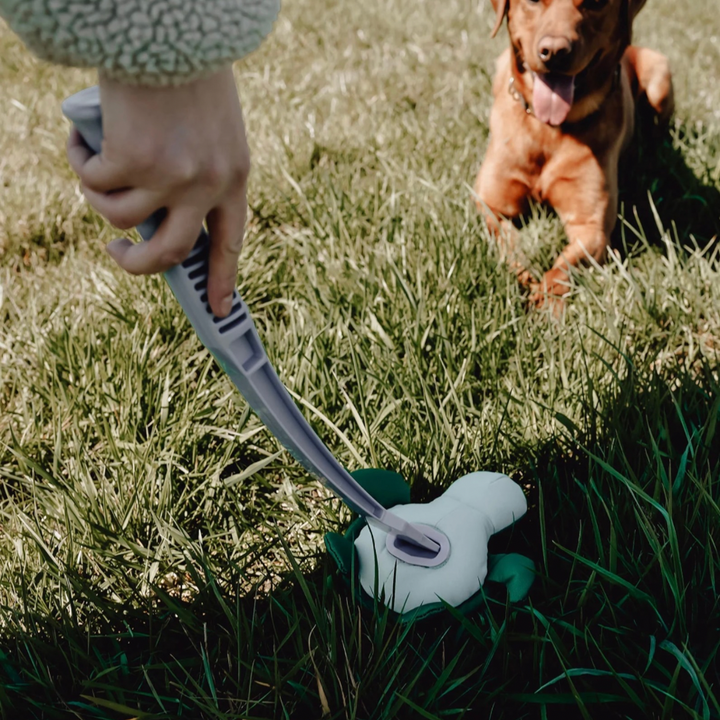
501	7
631	9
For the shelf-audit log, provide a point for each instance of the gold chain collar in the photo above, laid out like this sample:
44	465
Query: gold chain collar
515	93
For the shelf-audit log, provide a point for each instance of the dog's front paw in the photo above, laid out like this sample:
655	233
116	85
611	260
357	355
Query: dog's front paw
526	278
555	284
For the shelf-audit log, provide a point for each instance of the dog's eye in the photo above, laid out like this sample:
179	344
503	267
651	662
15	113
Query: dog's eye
595	4
533	2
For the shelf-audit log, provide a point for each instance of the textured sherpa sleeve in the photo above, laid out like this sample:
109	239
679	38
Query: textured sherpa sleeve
142	42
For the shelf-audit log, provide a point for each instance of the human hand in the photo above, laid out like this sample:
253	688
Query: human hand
180	148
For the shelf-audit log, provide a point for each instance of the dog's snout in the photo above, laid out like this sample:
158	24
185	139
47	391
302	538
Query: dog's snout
554	51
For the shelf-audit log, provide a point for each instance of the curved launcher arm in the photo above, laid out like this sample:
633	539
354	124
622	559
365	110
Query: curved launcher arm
236	345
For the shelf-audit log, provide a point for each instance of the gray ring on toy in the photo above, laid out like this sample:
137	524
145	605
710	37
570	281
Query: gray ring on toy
415	555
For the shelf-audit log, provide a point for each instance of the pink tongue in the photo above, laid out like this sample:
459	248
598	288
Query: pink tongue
553	97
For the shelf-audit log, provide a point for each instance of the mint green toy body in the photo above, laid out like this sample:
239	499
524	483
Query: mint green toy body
515	571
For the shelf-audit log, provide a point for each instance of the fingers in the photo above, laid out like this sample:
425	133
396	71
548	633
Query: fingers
177	236
124	209
226	225
94	170
170	245
78	152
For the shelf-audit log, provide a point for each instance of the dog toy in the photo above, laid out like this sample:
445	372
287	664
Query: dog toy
413	558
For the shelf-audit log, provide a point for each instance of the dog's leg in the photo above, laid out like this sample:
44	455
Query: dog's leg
588	210
500	199
588	241
651	76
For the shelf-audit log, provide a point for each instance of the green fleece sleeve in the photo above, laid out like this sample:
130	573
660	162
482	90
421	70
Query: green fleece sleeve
142	42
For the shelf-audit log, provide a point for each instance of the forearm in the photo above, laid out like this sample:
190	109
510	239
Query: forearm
142	42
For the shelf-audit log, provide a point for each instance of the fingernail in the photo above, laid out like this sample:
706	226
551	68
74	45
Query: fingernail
113	247
226	304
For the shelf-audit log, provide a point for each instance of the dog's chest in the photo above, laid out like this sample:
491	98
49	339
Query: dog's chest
539	156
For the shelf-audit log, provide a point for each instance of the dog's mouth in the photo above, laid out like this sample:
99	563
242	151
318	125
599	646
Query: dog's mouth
554	93
553	96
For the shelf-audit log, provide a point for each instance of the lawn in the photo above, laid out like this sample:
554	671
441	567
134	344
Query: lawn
162	557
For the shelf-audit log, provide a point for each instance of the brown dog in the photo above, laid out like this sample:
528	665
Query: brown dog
565	96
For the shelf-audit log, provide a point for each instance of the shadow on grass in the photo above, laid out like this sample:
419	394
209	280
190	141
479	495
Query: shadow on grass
624	528
685	200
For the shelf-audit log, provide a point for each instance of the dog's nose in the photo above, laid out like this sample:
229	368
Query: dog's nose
554	52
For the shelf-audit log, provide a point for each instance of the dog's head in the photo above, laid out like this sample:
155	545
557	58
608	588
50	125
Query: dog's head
561	41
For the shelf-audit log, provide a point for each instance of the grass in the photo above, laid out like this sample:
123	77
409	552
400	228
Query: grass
160	557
